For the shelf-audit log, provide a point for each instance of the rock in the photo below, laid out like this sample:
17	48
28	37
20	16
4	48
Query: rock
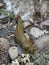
48	63
36	55
43	8
45	25
36	32
45	31
1	1
4	42
14	27
3	64
26	35
17	11
3	16
48	7
13	52
46	56
25	16
1	5
8	5
40	61
26	24
42	41
5	33
30	63
4	58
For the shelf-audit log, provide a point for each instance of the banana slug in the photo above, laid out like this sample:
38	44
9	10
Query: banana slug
24	42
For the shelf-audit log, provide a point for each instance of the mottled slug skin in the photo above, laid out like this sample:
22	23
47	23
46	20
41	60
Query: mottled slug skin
25	43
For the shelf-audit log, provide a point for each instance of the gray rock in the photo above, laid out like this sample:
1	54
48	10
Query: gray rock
36	55
30	63
40	61
3	64
1	4
42	42
43	8
46	56
26	24
4	42
1	1
48	63
26	35
3	16
45	25
5	33
36	32
8	5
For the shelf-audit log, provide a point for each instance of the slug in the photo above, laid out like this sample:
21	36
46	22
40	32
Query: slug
24	42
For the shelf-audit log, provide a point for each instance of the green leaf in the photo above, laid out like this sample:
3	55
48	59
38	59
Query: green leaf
11	15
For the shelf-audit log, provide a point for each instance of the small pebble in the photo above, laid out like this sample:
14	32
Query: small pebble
13	52
36	32
4	42
46	56
26	35
1	5
26	24
42	42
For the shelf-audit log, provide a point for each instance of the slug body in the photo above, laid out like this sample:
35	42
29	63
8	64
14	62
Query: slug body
25	43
